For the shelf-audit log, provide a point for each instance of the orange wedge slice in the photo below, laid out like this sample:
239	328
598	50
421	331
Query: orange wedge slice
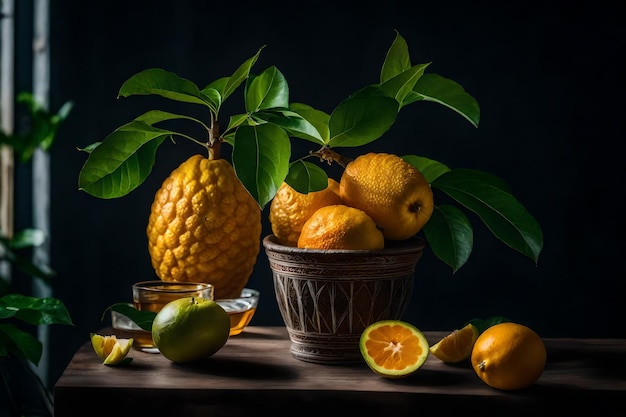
457	346
110	349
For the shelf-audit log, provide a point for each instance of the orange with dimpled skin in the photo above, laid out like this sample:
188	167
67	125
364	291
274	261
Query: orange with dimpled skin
391	191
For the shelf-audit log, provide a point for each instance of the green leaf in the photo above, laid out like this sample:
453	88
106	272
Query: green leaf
157	81
24	239
122	161
261	160
402	84
27	238
34	310
306	177
435	88
234	122
484	178
64	111
450	235
215	98
317	118
89	148
143	319
239	76
361	119
397	60
292	122
218	85
38	269
266	91
18	343
153	117
500	211
484	324
42	128
429	168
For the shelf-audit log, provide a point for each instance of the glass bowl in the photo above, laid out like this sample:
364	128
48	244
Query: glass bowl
152	296
125	328
241	309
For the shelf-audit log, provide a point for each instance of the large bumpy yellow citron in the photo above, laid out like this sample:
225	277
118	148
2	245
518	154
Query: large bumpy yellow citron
340	227
290	209
391	191
204	226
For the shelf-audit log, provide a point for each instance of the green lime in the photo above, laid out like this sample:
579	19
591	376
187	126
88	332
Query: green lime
189	329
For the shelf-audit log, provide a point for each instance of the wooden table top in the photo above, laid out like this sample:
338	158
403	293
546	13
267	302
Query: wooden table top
255	372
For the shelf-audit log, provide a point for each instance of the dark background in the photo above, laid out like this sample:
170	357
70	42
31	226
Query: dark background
549	77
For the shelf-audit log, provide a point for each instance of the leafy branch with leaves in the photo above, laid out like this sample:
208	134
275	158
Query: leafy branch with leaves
260	138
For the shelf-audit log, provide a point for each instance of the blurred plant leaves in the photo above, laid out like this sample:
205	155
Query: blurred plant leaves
32	310
42	127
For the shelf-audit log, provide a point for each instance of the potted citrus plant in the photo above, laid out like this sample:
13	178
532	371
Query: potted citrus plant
261	153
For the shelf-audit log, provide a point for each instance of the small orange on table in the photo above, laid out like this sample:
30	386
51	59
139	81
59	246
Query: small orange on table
509	356
393	348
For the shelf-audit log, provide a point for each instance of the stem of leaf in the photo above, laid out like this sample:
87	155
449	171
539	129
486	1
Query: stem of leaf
329	156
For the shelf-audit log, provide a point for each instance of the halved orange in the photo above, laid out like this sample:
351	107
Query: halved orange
456	346
393	348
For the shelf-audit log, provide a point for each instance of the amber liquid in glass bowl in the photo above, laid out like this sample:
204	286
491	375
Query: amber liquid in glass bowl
240	310
153	296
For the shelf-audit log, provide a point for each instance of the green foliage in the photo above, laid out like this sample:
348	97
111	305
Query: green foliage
17	342
11	250
17	309
43	128
262	154
483	324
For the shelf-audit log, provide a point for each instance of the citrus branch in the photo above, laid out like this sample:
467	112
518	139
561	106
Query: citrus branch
329	156
214	140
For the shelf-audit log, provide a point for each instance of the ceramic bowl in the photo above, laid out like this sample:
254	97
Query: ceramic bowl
328	297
